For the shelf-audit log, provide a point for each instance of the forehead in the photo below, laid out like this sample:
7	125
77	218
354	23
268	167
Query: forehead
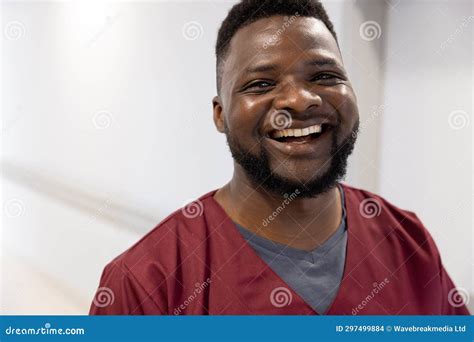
281	40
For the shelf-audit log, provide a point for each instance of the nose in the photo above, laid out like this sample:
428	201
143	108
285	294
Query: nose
296	98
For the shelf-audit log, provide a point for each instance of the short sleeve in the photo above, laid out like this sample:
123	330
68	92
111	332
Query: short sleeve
453	300
120	294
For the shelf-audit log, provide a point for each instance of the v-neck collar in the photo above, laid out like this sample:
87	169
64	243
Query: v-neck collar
278	249
281	250
256	268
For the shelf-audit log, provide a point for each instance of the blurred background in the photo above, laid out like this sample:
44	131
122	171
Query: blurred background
107	128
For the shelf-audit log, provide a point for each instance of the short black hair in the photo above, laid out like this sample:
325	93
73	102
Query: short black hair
249	11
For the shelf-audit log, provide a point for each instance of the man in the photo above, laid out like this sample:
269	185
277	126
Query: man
284	236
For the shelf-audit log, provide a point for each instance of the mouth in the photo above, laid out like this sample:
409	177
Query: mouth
300	135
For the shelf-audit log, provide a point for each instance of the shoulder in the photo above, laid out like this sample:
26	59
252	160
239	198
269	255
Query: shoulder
176	234
143	276
371	204
383	219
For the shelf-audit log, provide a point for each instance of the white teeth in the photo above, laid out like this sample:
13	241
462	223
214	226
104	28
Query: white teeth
297	132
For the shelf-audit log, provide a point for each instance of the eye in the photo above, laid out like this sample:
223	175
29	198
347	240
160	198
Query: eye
325	77
259	86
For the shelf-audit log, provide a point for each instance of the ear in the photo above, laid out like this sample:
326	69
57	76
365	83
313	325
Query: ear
218	114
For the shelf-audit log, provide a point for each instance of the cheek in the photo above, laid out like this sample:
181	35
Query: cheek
245	116
343	99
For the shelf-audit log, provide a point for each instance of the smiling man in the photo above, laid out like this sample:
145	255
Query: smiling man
284	236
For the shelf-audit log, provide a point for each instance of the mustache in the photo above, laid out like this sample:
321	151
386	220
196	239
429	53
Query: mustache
257	167
351	138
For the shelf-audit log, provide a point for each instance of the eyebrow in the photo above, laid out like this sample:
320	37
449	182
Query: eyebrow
272	67
322	62
261	68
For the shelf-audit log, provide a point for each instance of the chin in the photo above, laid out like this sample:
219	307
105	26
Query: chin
302	173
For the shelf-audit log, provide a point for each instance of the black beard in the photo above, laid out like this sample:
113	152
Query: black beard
258	168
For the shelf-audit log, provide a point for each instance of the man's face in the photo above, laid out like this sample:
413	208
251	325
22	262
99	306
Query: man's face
280	78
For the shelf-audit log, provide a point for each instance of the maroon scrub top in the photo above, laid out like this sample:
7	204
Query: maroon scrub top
196	262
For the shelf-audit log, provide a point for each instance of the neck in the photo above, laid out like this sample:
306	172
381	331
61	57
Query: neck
303	223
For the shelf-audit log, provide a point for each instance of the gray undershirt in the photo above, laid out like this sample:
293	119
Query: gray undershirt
314	275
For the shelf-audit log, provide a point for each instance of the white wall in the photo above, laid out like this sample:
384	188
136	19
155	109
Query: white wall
426	158
136	70
107	127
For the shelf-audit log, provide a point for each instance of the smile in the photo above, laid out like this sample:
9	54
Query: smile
299	135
